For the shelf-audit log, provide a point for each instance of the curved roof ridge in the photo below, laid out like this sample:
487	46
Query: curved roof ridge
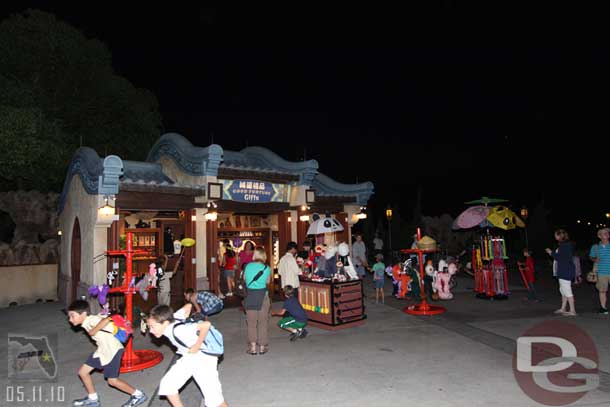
97	175
191	159
324	185
262	157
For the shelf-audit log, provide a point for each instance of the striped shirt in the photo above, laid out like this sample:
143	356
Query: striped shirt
603	252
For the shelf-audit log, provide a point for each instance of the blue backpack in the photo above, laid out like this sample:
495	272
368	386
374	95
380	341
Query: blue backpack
213	344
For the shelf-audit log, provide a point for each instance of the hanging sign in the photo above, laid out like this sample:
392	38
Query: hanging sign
255	191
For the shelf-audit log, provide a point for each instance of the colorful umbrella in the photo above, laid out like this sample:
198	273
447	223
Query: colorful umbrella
324	225
471	217
504	218
486	200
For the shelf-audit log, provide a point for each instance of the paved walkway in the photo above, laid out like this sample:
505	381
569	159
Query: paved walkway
460	358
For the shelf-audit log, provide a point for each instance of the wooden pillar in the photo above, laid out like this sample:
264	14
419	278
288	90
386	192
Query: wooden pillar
190	275
213	271
114	236
283	231
343	236
301	228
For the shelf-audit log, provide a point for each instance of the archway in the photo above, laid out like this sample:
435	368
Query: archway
75	259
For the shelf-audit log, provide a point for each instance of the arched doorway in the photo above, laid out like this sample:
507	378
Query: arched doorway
75	259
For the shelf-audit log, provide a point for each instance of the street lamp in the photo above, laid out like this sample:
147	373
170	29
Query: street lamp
388	215
524	215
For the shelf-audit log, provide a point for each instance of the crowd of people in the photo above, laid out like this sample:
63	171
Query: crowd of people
188	327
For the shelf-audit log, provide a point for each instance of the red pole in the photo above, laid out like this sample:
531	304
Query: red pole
129	355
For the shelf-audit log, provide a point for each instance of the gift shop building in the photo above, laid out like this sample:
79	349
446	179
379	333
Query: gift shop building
183	191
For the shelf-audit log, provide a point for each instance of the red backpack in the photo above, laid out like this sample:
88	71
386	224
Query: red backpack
124	329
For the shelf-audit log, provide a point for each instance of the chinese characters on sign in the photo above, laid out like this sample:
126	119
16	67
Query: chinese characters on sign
254	191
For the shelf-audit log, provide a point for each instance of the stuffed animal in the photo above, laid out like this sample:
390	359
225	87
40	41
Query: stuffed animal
443	286
414	284
389	272
142	288
99	291
402	279
430	280
327	264
346	261
152	275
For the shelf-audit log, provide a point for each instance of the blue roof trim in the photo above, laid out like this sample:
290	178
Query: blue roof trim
97	176
108	182
326	186
144	172
192	160
260	158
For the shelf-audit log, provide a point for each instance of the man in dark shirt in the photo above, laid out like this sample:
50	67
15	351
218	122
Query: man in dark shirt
295	318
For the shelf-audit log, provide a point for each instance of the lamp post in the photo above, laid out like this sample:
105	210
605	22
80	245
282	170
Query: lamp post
388	215
524	215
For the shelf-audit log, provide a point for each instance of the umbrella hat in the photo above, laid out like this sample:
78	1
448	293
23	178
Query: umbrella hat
504	218
471	217
324	225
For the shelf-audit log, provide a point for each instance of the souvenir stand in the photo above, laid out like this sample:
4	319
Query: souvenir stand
422	308
138	359
489	251
336	302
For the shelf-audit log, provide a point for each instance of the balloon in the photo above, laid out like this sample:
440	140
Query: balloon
187	242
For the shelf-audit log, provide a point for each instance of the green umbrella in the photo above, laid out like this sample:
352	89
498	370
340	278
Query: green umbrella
486	200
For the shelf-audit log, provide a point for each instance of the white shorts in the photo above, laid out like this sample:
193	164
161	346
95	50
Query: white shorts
565	288
203	368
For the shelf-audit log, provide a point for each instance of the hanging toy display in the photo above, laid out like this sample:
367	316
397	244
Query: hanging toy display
493	247
139	359
490	274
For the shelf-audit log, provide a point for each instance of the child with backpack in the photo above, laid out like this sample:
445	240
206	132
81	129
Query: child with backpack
204	303
296	320
107	356
200	345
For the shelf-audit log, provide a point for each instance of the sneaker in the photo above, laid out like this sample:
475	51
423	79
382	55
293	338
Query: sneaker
135	400
559	311
229	294
294	336
603	311
221	296
303	333
86	401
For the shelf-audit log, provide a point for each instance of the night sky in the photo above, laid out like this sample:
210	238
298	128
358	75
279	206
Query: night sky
462	101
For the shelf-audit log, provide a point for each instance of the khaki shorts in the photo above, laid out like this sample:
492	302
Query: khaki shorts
603	280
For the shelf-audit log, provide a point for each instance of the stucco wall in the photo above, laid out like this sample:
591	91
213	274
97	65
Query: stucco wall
27	284
172	170
93	240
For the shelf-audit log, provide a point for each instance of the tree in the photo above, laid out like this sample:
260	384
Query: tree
59	91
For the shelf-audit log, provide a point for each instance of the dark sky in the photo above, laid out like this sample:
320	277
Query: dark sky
463	101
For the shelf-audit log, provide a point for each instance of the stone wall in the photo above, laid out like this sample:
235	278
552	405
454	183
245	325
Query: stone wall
28	284
35	239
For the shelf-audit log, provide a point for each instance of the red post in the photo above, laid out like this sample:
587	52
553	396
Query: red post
129	355
422	308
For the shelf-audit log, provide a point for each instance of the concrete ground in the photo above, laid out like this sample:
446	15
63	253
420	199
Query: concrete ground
460	358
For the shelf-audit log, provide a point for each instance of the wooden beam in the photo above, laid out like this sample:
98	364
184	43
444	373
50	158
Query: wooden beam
155	201
253	208
233	173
